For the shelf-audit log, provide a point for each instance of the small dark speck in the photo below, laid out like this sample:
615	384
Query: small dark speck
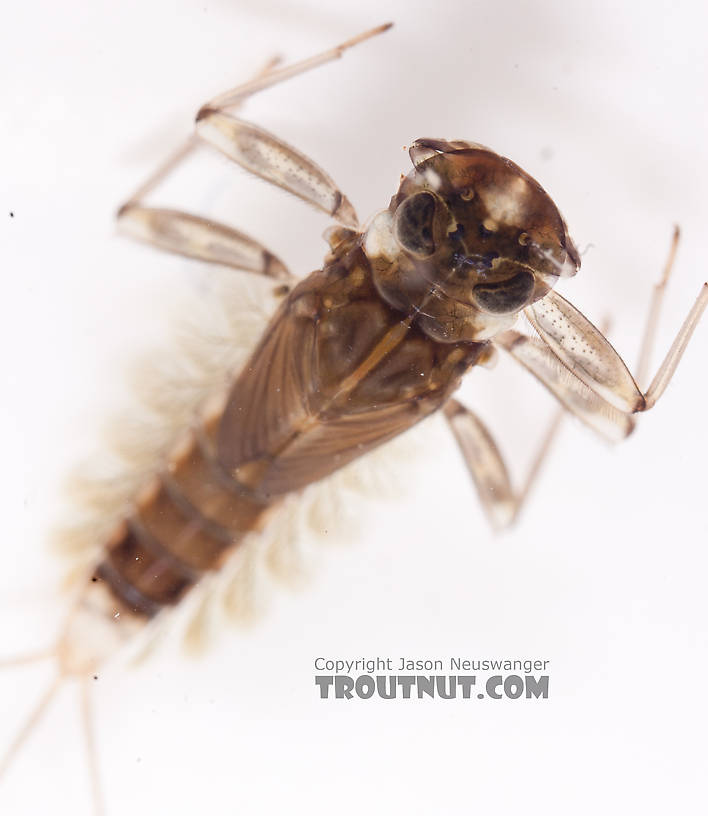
94	579
95	677
12	214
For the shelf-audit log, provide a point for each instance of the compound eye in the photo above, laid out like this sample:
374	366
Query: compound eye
506	296
413	224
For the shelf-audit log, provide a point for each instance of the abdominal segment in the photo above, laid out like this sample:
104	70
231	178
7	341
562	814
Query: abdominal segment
337	373
185	524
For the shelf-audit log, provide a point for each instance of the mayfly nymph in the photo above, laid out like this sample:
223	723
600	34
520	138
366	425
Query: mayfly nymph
359	351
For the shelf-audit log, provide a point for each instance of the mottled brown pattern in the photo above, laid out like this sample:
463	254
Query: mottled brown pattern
337	373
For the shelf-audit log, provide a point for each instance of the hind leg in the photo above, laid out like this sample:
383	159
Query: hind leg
500	501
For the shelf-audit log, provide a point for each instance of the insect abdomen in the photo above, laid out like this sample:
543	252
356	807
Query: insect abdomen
185	523
337	373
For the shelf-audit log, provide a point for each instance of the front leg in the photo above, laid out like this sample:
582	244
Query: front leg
259	152
264	154
579	366
588	355
192	235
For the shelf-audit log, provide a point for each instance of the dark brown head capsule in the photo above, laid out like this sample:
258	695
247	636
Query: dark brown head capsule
468	241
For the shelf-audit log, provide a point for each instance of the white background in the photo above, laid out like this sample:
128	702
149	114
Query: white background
604	103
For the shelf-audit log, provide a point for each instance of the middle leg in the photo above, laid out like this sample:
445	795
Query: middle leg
257	151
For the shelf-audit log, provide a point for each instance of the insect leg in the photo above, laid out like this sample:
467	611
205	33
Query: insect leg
641	371
184	150
192	235
264	154
201	238
568	389
236	95
674	354
588	354
486	466
257	151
